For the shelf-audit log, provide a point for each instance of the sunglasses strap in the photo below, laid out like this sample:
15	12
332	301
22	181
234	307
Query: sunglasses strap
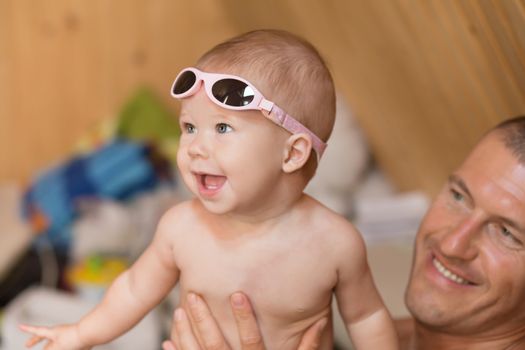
281	118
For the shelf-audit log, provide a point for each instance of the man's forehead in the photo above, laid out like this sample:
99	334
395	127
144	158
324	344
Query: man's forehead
493	171
491	153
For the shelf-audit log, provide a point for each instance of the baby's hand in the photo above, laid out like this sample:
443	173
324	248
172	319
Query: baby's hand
63	337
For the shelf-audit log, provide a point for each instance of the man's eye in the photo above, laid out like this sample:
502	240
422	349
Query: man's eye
506	233
504	236
189	128
456	195
223	128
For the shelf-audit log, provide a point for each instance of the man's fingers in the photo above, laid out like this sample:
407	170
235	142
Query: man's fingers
249	332
185	338
171	344
204	324
167	345
312	337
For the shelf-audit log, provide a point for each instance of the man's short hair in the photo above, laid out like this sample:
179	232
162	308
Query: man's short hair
512	133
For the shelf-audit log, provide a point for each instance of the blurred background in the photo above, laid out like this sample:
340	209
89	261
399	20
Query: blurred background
88	128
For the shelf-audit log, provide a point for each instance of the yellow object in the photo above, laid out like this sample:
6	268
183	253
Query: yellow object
96	271
96	136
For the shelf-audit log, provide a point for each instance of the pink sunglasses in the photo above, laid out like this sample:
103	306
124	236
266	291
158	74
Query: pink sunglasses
232	92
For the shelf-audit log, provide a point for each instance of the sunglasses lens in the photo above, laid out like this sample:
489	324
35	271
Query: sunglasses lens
232	92
184	82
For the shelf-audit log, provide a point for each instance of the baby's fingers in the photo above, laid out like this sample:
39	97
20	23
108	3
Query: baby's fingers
44	332
34	340
39	333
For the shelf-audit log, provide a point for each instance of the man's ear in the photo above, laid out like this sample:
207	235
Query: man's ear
296	152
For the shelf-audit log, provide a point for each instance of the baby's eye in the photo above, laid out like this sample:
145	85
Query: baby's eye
189	128
223	128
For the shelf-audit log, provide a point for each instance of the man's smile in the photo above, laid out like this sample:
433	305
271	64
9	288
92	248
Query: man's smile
449	274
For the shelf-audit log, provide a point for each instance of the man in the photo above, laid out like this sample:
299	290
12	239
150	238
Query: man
467	286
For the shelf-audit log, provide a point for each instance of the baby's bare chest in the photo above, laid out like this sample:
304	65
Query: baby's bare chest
286	281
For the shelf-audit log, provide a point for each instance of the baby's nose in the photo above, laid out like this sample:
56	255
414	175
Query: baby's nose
199	147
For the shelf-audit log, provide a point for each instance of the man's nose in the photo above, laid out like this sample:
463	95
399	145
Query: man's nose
199	147
461	240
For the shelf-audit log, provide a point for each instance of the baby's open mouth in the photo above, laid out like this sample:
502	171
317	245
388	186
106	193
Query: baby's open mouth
211	182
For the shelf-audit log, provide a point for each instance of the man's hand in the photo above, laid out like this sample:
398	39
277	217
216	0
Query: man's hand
209	336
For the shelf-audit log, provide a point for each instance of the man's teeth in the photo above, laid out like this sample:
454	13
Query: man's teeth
447	273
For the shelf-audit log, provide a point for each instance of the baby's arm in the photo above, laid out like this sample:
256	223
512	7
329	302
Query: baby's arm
366	317
129	298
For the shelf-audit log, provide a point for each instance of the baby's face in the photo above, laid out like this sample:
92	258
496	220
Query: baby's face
231	160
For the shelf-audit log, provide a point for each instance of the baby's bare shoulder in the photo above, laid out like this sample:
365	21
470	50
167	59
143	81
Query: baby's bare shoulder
328	222
182	212
178	218
180	208
334	230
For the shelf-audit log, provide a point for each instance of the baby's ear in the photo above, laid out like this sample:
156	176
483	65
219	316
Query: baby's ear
296	152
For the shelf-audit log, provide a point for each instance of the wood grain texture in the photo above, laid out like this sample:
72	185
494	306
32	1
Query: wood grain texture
424	78
67	64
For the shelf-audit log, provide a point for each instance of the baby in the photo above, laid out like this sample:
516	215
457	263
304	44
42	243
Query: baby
256	113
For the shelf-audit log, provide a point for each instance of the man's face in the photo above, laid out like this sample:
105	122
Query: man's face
468	274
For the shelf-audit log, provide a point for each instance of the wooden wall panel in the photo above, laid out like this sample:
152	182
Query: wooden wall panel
5	90
424	78
66	64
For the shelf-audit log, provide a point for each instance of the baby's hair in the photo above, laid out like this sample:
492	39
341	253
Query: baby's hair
513	136
287	70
